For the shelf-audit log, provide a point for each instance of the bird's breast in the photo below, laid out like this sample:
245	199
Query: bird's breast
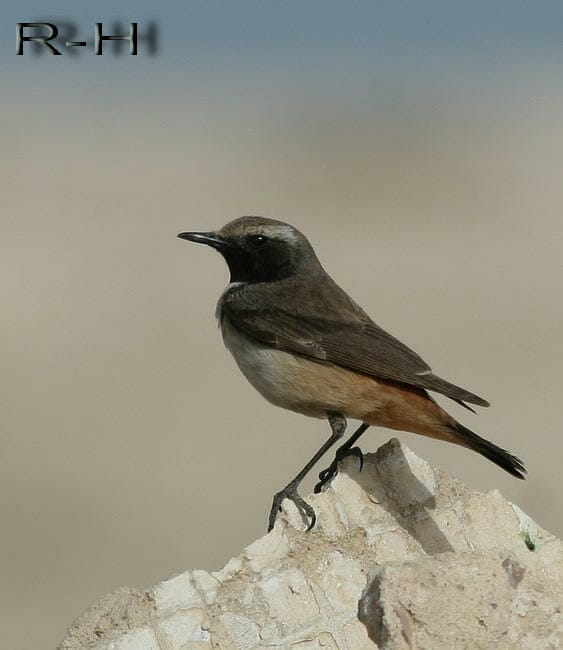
272	372
297	383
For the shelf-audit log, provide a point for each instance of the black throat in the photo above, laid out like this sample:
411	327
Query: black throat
273	262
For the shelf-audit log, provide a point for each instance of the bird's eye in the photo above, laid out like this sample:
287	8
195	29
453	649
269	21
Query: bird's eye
257	239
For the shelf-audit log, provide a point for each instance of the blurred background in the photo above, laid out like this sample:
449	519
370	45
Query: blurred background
418	145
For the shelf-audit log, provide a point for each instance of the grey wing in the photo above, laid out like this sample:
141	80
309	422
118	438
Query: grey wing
355	343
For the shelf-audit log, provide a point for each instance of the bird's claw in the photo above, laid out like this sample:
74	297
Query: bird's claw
330	472
305	509
357	453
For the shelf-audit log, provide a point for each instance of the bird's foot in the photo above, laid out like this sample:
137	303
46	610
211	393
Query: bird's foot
330	472
290	492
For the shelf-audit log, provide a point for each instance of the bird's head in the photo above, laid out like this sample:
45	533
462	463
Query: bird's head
257	249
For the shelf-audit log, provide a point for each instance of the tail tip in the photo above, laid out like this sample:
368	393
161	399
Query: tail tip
515	466
501	457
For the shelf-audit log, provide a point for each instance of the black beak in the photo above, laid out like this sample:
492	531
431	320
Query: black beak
209	238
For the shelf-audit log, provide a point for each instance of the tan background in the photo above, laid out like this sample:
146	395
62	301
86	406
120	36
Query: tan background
132	448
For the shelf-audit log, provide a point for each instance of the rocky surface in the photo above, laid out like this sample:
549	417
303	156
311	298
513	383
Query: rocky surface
402	556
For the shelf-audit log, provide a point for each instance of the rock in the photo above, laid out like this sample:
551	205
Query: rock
125	614
402	556
480	599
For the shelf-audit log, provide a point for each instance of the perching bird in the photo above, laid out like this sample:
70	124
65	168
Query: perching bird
306	346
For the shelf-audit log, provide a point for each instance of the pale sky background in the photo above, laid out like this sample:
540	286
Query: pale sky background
418	145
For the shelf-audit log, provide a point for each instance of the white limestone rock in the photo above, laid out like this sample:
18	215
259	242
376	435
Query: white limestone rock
478	600
402	556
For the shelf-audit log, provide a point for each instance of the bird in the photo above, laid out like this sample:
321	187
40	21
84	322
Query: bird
305	345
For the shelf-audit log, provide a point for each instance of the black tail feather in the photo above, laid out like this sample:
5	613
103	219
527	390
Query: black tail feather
512	464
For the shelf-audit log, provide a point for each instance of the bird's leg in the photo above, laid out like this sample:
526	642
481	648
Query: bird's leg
338	426
345	450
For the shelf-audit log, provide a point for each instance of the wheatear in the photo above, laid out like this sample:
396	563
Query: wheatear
306	346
